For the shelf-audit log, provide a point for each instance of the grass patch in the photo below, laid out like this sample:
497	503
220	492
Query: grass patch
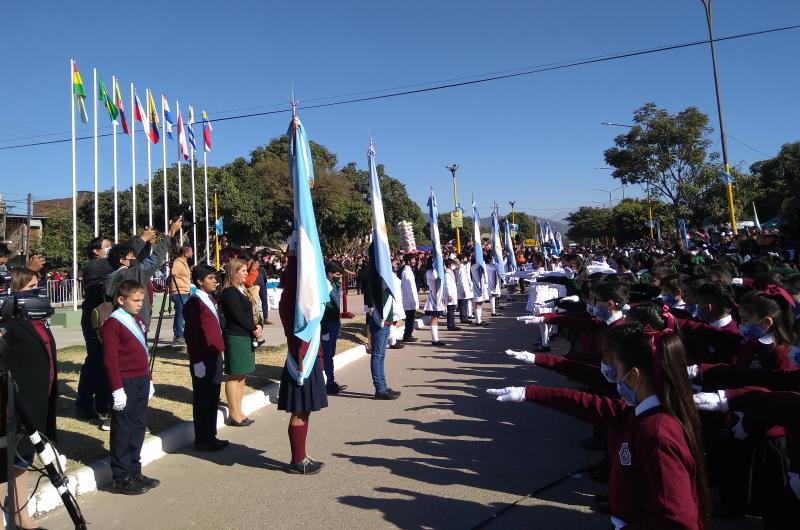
83	442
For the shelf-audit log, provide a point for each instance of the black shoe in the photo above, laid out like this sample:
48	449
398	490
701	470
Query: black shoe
145	481
387	394
211	445
496	314
410	339
439	343
464	321
334	388
85	414
542	349
233	423
397	346
454	328
306	466
128	487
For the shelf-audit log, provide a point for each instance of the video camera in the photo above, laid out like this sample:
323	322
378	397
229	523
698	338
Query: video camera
30	305
183	211
5	280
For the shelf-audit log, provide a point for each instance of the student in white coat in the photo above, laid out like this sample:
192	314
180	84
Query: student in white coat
410	295
494	285
433	308
464	289
480	290
450	293
397	310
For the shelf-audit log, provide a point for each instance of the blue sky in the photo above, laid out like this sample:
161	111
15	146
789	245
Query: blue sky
534	139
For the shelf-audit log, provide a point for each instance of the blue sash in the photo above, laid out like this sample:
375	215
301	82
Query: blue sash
125	318
203	296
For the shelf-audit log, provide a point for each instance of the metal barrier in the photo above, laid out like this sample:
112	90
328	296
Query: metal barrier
60	292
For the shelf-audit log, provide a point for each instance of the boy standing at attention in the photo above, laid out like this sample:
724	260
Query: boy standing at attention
126	361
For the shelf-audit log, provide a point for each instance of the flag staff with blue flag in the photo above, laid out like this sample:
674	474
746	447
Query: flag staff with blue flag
305	293
434	275
512	260
496	269
380	285
480	287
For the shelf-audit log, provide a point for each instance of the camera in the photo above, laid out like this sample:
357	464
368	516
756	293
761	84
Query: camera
184	212
30	305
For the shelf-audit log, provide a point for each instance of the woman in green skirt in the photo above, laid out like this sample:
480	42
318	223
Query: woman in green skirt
238	332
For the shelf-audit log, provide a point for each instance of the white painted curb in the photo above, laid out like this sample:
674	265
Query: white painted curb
98	474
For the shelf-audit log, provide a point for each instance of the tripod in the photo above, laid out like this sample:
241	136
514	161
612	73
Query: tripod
170	280
9	395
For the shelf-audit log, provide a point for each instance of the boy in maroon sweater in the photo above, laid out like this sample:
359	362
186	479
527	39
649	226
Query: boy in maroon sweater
126	361
204	344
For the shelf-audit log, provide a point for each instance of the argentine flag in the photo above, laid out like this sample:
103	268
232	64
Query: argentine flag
476	238
436	247
512	259
312	284
497	248
380	238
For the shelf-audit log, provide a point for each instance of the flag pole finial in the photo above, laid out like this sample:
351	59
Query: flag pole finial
293	102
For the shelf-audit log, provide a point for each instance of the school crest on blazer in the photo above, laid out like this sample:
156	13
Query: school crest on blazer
625	454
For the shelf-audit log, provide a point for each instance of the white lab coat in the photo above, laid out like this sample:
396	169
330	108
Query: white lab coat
463	282
450	288
409	288
397	304
431	277
493	279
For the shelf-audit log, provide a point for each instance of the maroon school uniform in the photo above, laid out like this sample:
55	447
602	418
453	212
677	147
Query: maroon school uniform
763	355
123	354
653	473
590	341
710	343
721	376
202	331
580	372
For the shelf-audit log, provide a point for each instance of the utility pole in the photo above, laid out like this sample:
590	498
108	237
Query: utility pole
28	228
452	169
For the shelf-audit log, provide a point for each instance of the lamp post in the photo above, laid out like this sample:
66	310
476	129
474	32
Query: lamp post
452	169
728	184
216	233
513	219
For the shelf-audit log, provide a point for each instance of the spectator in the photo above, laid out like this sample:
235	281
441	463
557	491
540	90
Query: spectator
179	288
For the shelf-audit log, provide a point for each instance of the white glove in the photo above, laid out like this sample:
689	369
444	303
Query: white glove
120	399
618	523
794	483
693	371
509	393
738	430
152	391
524	356
711	401
199	370
737	281
573	298
534	320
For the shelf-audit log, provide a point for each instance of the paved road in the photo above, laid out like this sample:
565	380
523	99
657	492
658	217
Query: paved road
442	456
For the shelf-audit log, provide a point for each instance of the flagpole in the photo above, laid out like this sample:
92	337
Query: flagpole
133	161
180	180
149	169
205	198
216	233
116	205
96	219
194	208
74	195
164	156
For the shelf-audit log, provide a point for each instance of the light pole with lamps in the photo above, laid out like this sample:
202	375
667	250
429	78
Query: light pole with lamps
452	169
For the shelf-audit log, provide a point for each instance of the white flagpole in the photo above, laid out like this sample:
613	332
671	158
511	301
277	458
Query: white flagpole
94	92
133	158
194	208
116	205
149	169
74	197
164	155
205	196
180	163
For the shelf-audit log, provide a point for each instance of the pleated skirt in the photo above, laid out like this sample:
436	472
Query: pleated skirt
308	397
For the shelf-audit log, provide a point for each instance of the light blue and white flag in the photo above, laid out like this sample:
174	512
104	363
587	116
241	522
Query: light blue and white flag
755	217
684	236
312	284
497	248
555	251
512	258
476	238
380	238
559	242
218	227
436	247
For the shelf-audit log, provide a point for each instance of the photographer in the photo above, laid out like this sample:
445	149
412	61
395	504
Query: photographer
31	359
122	259
179	288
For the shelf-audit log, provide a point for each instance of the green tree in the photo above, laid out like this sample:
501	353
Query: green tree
629	219
776	176
664	151
56	242
589	223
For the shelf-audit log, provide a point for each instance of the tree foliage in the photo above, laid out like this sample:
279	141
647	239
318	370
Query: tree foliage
589	223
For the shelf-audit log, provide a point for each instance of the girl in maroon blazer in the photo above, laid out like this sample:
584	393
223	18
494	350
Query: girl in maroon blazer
657	475
766	329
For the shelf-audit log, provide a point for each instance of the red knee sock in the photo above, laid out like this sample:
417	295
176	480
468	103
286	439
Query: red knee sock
297	441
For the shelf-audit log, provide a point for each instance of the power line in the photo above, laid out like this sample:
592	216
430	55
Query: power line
445	86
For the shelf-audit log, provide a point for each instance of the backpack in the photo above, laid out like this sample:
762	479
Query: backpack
99	315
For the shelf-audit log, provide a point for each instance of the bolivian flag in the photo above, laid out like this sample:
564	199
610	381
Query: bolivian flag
80	94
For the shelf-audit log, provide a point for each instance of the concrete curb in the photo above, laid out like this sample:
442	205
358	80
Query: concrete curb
98	474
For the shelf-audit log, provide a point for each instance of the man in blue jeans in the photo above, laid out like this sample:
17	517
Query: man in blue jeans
331	323
375	298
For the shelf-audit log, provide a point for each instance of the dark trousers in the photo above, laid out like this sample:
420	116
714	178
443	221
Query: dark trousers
463	306
205	401
451	316
127	429
411	316
93	392
331	329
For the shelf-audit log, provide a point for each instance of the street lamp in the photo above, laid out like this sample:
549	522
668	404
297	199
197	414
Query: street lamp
512	203
610	203
729	185
452	169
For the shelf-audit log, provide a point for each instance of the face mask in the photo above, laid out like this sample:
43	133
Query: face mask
590	309
794	355
627	393
701	314
669	299
452	267
609	372
106	251
602	312
751	331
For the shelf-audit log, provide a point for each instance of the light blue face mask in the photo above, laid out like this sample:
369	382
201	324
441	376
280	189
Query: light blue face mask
627	393
701	314
669	299
609	372
602	312
751	331
590	309
794	355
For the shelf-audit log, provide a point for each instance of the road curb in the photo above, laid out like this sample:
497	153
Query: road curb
98	474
